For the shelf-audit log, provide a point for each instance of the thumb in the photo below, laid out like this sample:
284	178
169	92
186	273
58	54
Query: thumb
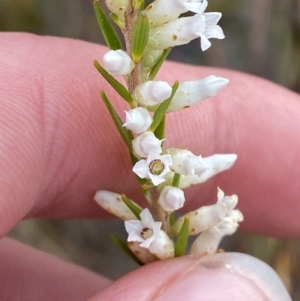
223	276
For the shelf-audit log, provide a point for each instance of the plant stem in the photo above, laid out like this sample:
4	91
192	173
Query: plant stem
135	77
159	213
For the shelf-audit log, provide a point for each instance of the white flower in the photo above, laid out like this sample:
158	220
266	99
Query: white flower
144	231
201	219
146	143
163	11
154	168
138	120
186	163
217	164
171	198
148	234
230	222
117	62
113	203
183	30
212	30
208	241
177	32
152	93
191	92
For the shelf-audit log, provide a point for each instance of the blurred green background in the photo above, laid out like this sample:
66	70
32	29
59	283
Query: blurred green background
263	38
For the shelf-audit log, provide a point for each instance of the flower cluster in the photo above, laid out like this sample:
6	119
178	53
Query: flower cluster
163	173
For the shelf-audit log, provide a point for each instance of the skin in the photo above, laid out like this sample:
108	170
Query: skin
57	144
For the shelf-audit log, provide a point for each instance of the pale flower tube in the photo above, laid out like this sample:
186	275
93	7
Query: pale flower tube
190	93
217	163
186	163
163	11
177	32
201	219
113	203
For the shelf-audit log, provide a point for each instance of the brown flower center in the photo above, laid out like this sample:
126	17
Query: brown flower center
156	167
146	233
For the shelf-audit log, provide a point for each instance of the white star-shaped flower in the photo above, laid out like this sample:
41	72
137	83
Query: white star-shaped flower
144	231
212	30
154	168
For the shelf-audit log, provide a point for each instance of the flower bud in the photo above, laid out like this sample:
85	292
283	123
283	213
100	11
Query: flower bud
138	120
145	143
162	246
117	62
191	92
113	203
171	198
152	93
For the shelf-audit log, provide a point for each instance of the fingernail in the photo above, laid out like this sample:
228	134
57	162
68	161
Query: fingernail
225	276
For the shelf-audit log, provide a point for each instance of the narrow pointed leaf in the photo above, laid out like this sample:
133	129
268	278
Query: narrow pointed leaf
138	4
162	109
159	63
123	246
160	130
110	35
119	88
125	134
181	242
176	180
136	210
140	36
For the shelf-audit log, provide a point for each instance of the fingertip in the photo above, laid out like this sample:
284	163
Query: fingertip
227	276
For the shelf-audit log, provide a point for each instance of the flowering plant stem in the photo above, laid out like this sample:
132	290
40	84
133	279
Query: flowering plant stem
135	78
149	36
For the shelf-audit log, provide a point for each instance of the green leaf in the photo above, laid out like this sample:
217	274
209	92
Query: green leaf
140	36
138	4
110	35
125	134
160	130
119	88
123	246
162	109
136	210
181	242
159	63
176	180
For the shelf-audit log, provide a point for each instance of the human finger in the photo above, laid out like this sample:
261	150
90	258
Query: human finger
58	144
29	274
